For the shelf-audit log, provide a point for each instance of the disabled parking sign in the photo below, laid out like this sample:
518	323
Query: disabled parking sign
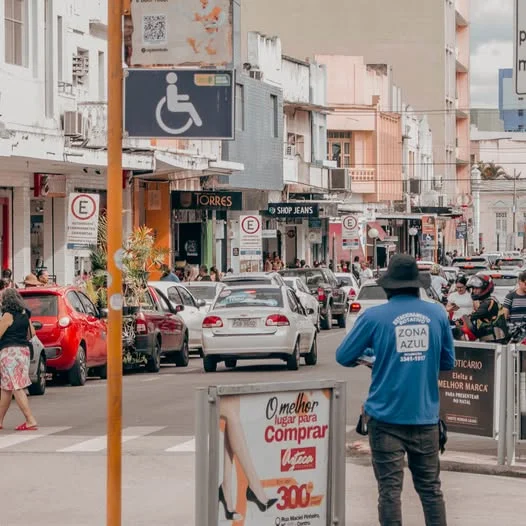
164	103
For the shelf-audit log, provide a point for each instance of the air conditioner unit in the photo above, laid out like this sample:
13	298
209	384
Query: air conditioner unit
290	150
256	74
339	180
73	124
438	182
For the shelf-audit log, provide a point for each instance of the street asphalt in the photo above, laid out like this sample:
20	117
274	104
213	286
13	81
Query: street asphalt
56	476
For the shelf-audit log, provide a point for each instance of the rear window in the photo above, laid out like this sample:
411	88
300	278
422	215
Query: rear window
510	262
202	293
346	280
505	281
374	292
460	262
249	281
249	297
311	277
42	305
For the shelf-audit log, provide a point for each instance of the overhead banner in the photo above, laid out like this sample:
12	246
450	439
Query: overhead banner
467	394
179	33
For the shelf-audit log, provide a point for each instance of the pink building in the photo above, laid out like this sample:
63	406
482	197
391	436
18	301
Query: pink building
364	135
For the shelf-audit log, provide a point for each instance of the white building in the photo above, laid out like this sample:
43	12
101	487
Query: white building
305	168
53	78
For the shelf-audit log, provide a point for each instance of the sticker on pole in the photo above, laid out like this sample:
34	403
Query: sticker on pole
83	221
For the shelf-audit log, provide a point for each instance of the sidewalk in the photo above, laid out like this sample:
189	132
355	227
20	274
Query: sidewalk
58	490
463	454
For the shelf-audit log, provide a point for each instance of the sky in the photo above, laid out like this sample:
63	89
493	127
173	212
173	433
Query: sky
491	48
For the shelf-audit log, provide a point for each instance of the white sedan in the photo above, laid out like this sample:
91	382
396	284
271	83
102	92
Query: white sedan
258	322
192	313
307	299
205	290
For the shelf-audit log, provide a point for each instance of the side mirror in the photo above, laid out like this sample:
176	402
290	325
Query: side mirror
310	311
36	325
201	303
103	314
179	308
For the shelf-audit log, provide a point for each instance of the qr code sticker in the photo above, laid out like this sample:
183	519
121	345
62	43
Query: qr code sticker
154	29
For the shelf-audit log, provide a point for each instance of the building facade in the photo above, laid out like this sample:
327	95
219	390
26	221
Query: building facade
512	107
405	35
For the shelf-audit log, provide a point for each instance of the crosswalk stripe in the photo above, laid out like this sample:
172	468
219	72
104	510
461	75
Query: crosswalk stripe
25	436
100	443
185	447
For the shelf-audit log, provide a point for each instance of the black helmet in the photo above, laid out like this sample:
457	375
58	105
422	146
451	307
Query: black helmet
481	281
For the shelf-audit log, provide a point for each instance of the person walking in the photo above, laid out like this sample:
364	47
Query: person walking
15	331
412	342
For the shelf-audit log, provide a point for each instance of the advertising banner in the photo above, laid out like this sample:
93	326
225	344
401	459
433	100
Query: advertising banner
275	465
467	394
179	33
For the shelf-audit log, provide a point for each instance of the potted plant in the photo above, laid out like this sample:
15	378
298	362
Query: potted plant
140	257
96	286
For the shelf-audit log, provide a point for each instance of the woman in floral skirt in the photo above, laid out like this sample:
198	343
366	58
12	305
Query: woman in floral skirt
15	331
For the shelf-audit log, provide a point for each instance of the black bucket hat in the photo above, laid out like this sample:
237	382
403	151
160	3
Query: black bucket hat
403	273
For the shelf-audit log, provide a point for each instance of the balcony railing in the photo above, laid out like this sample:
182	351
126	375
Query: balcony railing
363	180
297	171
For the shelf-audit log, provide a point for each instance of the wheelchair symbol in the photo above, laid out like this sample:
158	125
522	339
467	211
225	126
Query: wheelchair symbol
176	103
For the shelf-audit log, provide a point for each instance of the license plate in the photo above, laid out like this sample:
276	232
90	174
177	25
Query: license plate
247	323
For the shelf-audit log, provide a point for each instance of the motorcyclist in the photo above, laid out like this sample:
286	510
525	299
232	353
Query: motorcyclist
484	322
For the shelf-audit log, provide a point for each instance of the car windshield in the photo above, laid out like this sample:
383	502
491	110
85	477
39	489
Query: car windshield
373	292
311	277
249	297
42	305
202	293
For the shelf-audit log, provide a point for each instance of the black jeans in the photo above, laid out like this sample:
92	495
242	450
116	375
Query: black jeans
389	444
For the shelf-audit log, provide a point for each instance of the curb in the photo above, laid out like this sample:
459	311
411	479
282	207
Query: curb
359	453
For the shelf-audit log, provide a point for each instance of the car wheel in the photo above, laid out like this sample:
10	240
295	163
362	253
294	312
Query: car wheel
326	322
342	321
154	362
293	362
210	364
78	374
231	363
38	388
312	357
182	357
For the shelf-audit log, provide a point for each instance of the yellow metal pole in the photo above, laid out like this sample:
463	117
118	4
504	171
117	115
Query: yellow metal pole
114	125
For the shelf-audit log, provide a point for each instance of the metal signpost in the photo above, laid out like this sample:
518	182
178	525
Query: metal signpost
161	103
282	447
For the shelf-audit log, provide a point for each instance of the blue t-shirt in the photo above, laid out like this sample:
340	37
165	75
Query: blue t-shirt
412	343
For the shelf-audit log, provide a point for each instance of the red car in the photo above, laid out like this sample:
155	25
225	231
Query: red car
72	330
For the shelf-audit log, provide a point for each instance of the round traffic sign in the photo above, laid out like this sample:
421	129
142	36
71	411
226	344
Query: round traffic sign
83	207
251	225
350	222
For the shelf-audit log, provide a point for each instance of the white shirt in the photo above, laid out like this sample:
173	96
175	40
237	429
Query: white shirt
463	301
437	282
365	275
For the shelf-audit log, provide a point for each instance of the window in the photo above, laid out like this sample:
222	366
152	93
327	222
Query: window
88	305
274	115
174	297
240	107
521	113
187	299
520	127
75	302
501	219
339	148
15	14
163	302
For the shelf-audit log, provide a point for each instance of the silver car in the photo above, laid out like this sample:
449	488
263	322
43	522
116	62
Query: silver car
37	368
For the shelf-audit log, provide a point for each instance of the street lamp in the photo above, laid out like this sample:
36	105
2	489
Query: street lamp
475	188
413	232
374	235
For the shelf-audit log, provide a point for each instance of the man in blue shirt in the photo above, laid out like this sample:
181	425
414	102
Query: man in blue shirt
412	342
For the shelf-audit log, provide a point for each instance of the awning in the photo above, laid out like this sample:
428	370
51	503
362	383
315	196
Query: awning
375	224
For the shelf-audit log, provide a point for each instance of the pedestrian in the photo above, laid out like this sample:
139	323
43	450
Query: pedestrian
215	275
365	273
43	277
411	341
437	281
31	281
7	276
203	274
168	274
15	331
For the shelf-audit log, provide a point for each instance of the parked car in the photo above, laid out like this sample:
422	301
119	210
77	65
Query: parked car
192	311
348	283
206	291
158	332
37	368
504	282
322	283
72	330
254	278
307	299
371	294
259	322
471	265
510	263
